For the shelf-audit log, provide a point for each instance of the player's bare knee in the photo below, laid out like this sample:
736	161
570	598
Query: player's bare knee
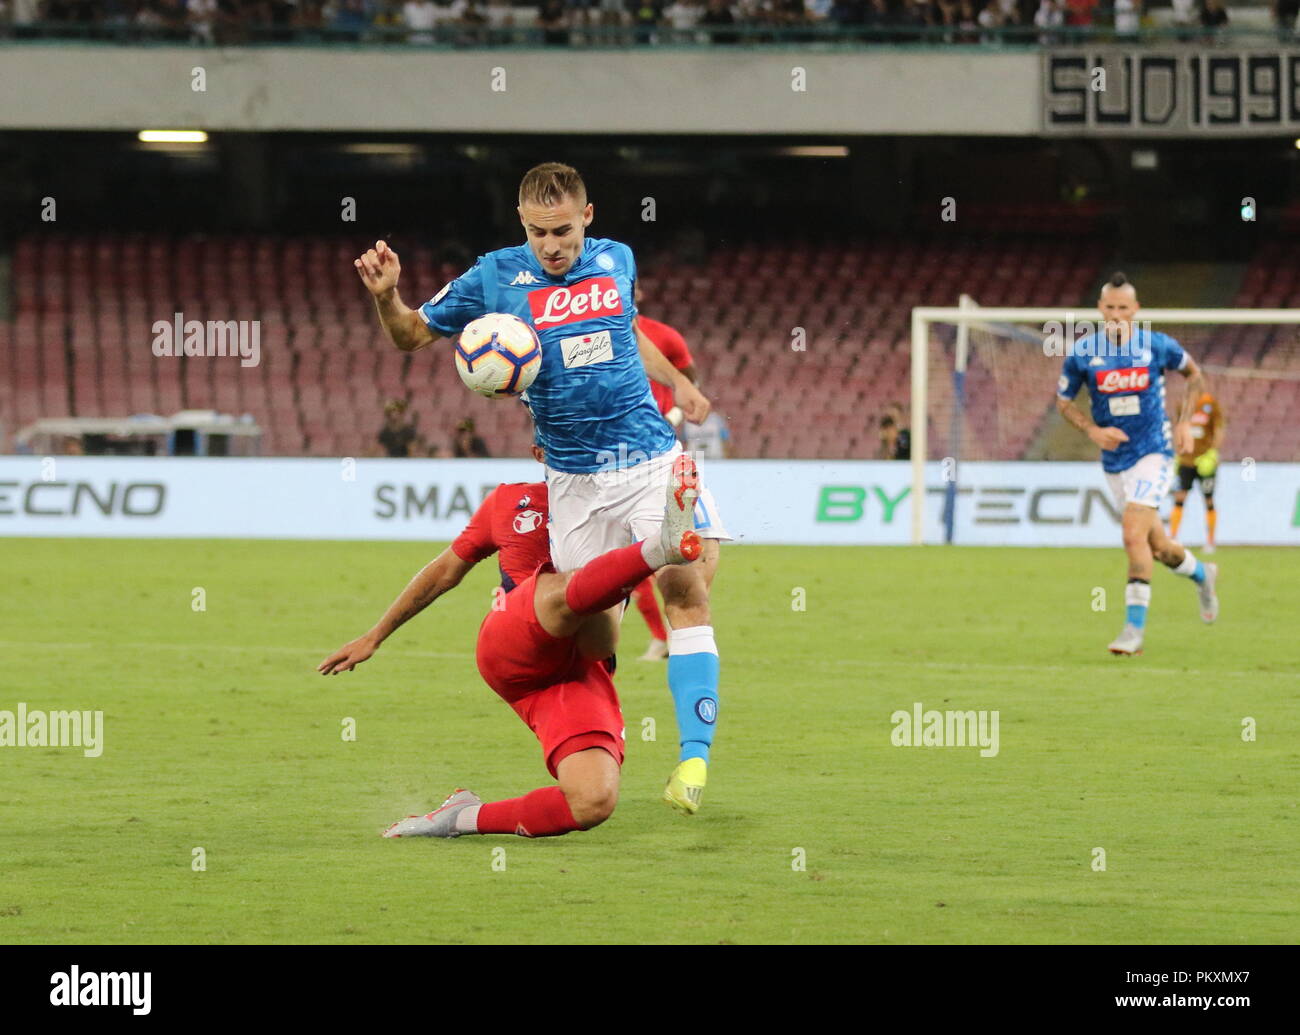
591	805
686	593
1168	554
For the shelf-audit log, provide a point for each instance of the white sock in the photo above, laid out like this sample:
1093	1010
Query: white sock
652	551
1188	567
467	820
696	639
1137	593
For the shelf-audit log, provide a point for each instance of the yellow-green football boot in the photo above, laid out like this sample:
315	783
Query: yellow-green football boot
686	786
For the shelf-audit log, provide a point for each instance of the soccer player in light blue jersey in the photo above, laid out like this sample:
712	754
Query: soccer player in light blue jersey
1124	367
609	450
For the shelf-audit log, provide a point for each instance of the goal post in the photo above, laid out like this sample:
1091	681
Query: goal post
1025	325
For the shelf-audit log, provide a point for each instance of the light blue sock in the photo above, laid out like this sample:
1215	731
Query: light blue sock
1192	568
693	669
1137	595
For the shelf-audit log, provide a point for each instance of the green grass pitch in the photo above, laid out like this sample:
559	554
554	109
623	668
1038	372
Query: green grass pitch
219	735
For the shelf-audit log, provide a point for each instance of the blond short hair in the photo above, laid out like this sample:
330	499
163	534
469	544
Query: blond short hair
550	183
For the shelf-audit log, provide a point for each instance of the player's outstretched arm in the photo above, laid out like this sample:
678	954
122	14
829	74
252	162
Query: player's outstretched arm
1103	438
693	403
441	574
379	270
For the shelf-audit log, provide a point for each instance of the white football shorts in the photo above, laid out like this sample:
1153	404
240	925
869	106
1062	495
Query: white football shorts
597	512
1146	483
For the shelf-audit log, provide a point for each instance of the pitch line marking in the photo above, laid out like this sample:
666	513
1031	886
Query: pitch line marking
867	663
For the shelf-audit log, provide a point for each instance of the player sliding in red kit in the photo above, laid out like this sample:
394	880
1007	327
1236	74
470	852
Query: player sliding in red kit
528	652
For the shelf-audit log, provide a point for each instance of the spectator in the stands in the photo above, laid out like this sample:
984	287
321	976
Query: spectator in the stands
1186	14
948	14
117	17
718	15
25	14
202	15
468	12
1049	17
819	11
967	22
645	16
916	14
1285	13
789	13
848	12
1010	11
470	20
1128	18
144	18
682	16
420	16
612	13
280	15
230	27
170	20
878	16
308	20
465	443
990	19
500	14
398	434
388	20
1214	16
1078	13
895	439
553	20
351	18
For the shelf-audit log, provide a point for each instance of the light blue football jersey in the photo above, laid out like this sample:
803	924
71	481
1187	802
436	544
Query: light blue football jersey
591	401
1127	390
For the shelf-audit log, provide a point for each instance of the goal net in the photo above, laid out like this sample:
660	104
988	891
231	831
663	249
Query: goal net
984	379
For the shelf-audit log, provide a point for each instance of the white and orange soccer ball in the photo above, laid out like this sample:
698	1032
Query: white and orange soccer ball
498	355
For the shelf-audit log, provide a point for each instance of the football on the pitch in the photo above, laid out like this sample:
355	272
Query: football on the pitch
498	355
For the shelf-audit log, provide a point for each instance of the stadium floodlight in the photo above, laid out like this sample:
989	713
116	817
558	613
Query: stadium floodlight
984	378
172	136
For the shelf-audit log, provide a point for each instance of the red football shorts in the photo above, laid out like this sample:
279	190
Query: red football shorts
568	701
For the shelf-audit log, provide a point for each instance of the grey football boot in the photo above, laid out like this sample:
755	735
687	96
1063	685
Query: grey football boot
1129	641
441	822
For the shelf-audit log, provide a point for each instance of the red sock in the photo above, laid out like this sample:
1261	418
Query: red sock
644	595
602	583
540	813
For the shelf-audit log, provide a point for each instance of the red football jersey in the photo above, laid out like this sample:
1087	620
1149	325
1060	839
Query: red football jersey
511	522
673	346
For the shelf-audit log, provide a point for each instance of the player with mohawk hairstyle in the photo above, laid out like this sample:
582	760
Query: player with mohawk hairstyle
1124	366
